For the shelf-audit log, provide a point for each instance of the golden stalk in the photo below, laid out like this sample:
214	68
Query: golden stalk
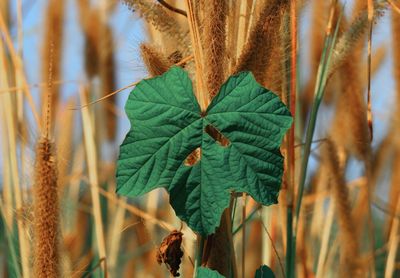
91	158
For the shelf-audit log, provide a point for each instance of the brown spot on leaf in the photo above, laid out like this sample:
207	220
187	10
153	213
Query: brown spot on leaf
217	135
193	157
170	252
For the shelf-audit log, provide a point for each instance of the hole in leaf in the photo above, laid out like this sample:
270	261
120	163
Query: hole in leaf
193	157
217	136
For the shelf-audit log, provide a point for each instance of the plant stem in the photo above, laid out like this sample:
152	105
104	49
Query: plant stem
248	218
319	93
289	237
233	213
244	235
10	243
291	137
91	155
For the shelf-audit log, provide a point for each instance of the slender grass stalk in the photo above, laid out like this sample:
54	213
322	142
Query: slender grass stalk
393	244
290	250
7	184
73	190
12	161
291	137
319	92
241	28
21	123
393	223
19	69
183	61
115	236
94	182
201	95
244	235
247	219
371	24
53	42
64	144
135	211
233	212
8	234
370	228
326	233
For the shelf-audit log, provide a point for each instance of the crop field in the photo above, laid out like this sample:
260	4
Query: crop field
200	138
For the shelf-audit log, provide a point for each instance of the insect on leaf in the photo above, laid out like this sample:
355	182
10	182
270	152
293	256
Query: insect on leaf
239	137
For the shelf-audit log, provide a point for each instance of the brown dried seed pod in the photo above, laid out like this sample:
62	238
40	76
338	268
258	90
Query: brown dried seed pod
170	252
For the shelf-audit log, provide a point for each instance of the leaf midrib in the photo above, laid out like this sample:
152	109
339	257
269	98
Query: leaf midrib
162	147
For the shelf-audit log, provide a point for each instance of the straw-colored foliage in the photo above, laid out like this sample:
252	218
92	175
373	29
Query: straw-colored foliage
59	213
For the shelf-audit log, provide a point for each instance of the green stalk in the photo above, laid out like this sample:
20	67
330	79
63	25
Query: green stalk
10	244
248	218
233	211
289	264
319	93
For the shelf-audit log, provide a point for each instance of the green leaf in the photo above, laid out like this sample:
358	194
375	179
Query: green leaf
203	272
167	125
264	272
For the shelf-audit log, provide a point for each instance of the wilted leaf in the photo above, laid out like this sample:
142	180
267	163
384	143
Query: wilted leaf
170	252
239	138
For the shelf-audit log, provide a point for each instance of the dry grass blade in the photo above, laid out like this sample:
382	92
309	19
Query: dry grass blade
11	160
136	211
201	95
183	61
18	65
318	18
394	224
59	213
107	76
394	6
91	158
52	50
371	24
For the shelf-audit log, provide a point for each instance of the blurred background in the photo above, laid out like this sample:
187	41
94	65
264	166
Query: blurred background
94	48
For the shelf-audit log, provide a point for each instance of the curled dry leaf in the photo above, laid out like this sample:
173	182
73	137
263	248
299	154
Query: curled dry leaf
170	252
